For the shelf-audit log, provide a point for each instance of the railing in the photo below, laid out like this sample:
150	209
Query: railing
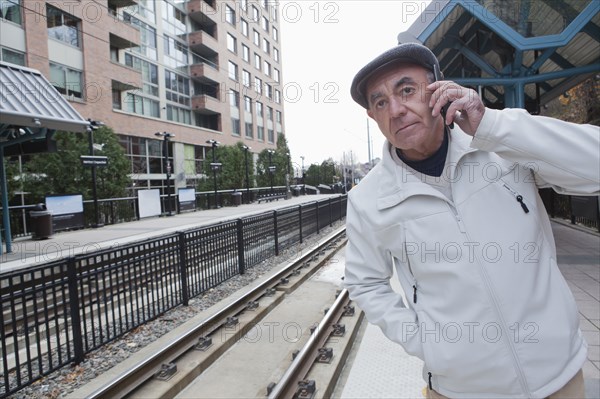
54	314
121	210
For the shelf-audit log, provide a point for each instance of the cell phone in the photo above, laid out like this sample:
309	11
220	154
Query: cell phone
438	76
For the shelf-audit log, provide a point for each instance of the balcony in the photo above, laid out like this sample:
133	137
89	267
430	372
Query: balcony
123	36
204	104
114	4
205	73
202	43
203	11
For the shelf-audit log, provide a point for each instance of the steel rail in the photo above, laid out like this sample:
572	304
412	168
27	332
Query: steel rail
297	371
145	369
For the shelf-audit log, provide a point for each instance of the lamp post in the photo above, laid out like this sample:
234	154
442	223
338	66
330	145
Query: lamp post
167	165
303	183
215	166
271	167
288	177
246	149
94	125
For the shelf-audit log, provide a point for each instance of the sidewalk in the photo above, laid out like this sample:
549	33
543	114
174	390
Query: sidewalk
27	252
382	369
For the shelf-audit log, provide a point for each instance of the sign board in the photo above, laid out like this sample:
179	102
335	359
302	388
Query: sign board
93	160
187	199
148	203
67	211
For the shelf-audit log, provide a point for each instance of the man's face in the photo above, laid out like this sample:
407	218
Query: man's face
399	103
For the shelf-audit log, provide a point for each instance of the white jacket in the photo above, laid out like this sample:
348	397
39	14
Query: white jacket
488	309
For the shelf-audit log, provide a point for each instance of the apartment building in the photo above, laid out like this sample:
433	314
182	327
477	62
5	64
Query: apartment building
199	69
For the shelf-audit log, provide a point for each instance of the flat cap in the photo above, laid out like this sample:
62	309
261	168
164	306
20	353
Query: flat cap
410	53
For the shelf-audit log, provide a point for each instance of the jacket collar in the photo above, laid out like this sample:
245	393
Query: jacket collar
398	182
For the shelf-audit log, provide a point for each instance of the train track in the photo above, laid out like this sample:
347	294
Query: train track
166	368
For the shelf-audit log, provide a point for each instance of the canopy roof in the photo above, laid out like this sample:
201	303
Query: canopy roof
28	100
522	53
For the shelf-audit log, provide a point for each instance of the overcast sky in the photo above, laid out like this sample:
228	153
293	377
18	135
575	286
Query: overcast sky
324	44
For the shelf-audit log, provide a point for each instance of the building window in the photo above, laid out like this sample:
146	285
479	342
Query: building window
260	133
269	113
244	27
233	71
258	85
256	37
235	126
269	91
244	4
267	68
177	88
278	116
62	26
116	99
276	75
275	54
230	15
247	104
246	78
245	53
257	61
277	96
66	80
271	136
149	73
274	13
173	19
231	43
265	24
255	14
142	105
10	10
234	99
249	130
275	34
14	57
266	46
147	37
259	109
176	53
178	114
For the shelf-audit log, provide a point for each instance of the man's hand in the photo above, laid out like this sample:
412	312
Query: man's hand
466	108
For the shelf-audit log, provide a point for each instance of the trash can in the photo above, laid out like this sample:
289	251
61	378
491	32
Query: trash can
296	191
41	222
236	198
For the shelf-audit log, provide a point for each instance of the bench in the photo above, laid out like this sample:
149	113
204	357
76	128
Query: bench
270	197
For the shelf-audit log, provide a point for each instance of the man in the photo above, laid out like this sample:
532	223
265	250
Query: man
456	212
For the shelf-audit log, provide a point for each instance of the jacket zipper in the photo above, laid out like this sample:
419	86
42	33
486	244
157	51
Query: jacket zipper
517	196
430	384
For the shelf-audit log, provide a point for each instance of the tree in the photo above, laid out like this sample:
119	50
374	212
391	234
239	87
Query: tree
233	172
63	173
280	158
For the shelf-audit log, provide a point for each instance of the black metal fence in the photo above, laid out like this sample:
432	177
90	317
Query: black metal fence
53	314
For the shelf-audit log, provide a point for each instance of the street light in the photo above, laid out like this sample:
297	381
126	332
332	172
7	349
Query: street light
215	166
246	149
167	166
94	125
303	183
271	167
288	176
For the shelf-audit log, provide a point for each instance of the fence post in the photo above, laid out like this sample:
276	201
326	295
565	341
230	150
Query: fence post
240	241
330	212
74	309
317	216
276	231
185	293
300	220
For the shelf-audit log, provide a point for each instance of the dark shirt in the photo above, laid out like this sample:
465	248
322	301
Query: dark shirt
432	166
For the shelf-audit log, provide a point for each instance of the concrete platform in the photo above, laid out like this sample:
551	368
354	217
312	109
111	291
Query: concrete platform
27	252
380	368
